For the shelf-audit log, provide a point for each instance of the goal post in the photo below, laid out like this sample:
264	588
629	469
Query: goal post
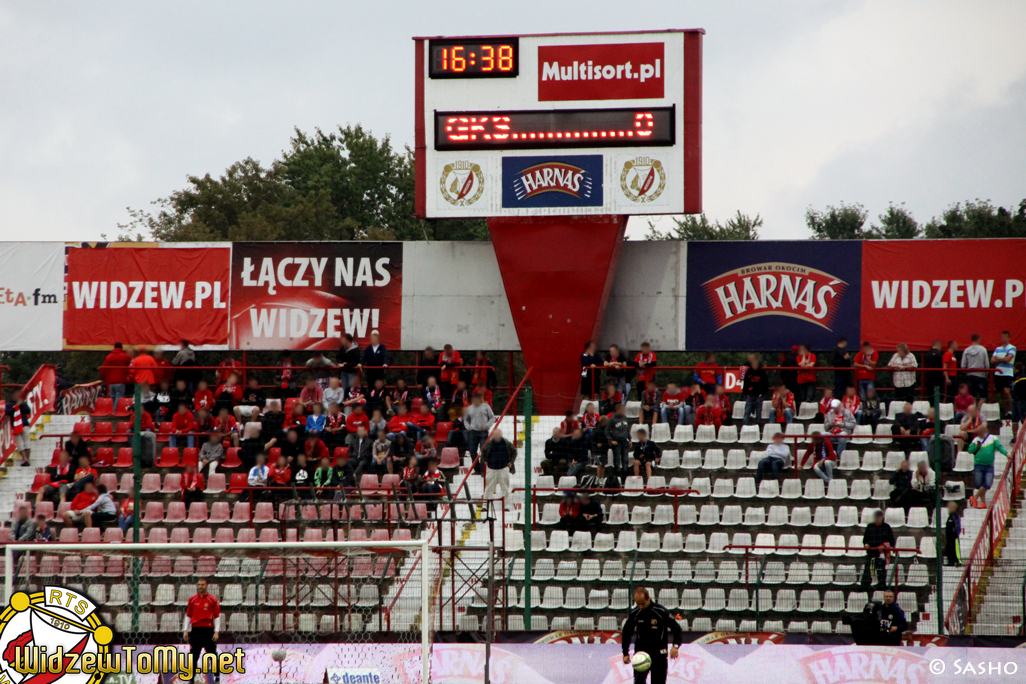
333	602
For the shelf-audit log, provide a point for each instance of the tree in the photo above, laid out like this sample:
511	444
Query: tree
896	223
978	219
342	185
692	227
843	222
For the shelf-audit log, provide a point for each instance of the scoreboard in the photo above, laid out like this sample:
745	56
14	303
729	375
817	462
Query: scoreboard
543	125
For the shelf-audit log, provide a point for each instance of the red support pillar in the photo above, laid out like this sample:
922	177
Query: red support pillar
557	272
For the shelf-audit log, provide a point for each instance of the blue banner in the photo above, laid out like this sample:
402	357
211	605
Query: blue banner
552	181
773	295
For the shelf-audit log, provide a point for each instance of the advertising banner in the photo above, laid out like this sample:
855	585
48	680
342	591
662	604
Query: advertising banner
609	71
772	295
144	295
80	398
31	295
918	291
306	295
41	394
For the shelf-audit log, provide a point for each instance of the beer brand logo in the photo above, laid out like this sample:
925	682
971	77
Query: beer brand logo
462	183
774	289
60	626
741	638
553	177
862	665
643	179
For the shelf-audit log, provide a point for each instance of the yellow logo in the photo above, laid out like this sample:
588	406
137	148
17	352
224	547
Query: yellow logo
51	636
643	179
462	183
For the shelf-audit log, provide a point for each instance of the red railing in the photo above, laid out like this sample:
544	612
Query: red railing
982	556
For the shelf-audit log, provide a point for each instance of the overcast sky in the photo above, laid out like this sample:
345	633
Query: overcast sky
111	105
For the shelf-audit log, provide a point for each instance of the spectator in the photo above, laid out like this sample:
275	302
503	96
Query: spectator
375	424
839	423
227	426
126	515
313	447
272	422
302	473
569	423
695	400
892	620
850	400
901	485
650	399
85	474
181	395
335	426
20	414
361	449
709	374
783	405
449	365
279	476
425	451
183	362
500	456
22	525
252	401
375	359
616	365
877	540
159	403
754	387
460	398
164	371
290	447
349	358
228	366
555	461
483	372
115	372
204	421
710	413
646	454
379	454
598	445
478	420
228	393
79	512
618	434
1018	397
433	478
872	409
211	454
645	360
400	423
924	484
143	367
612	396
778	457
950	371
257	478
183	424
824	458
826	402
203	398
38	531
321	367
103	510
865	369
356	398
433	396
192	485
789	370
316	421
933	360
952	532
569	511
424	421
983	448
400	394
428	367
347	470
906	425
285	378
359	418
723	403
1004	360
589	421
962	401
926	428
971	422
673	408
976	357
806	376
590	512
904	379
312	392
61	476
590	361
411	480
840	358
324	477
577	453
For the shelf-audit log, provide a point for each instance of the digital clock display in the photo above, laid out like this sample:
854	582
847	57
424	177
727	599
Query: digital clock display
494	58
558	128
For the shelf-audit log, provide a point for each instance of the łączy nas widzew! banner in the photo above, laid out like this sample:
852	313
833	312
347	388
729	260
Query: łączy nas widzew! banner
306	295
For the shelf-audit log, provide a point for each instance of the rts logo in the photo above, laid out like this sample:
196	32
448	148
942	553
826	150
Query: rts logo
14	298
571	181
774	289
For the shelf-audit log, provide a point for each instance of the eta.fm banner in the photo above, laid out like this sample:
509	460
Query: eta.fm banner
306	295
918	291
31	295
767	295
147	295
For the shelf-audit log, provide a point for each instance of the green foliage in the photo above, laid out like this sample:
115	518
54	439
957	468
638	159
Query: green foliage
843	222
897	223
342	185
978	219
692	227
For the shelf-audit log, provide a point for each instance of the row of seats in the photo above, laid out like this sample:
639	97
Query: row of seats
250	594
708	572
710	600
239	622
541	623
223	535
627	541
168	458
710	514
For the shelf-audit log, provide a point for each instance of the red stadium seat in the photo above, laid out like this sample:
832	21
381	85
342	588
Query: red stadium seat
127	484
124	458
219	513
379	535
441	432
91	535
83	428
172	484
104	457
190	457
215	484
104	407
203	535
110	481
102	432
247	535
168	457
358	535
263	513
373	511
369	483
150	483
387	481
340	452
232	460
290	404
69	535
275	453
175	512
180	535
113	535
55	459
154	512
269	535
124	407
224	535
164	431
121	432
44	508
450	458
197	512
241	512
415	405
39	481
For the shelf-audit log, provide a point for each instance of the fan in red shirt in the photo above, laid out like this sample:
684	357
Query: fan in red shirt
646	360
865	368
203	616
279	474
398	422
696	397
590	419
723	401
783	405
183	422
673	402
569	424
486	394
826	402
227	368
164	371
315	448
450	362
709	413
807	374
357	418
226	425
950	363
423	419
709	373
230	391
204	398
851	400
114	371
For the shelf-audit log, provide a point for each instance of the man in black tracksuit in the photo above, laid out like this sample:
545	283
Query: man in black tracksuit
654	627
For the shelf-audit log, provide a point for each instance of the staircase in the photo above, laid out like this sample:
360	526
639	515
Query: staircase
1001	609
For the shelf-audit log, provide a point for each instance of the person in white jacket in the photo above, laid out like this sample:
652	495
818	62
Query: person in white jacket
257	475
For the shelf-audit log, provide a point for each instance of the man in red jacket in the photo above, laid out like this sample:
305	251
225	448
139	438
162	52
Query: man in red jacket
114	372
203	615
709	413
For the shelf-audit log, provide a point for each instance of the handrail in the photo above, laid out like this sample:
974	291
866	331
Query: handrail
299	367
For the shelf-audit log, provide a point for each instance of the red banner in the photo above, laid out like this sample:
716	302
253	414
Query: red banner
918	291
146	295
614	71
41	395
80	398
306	295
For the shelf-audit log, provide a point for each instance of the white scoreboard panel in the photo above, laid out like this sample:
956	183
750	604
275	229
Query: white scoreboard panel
569	124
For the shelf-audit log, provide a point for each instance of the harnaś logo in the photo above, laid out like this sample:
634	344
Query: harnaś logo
552	181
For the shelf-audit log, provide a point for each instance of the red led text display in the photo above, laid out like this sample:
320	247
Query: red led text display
554	128
474	59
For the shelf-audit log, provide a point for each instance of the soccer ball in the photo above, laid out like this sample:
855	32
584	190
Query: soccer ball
641	662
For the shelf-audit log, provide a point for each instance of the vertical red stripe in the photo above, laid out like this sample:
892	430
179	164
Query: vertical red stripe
692	133
419	138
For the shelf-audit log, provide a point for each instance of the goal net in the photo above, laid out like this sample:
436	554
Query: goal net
300	611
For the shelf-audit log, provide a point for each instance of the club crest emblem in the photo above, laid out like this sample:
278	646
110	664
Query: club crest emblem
462	183
643	179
